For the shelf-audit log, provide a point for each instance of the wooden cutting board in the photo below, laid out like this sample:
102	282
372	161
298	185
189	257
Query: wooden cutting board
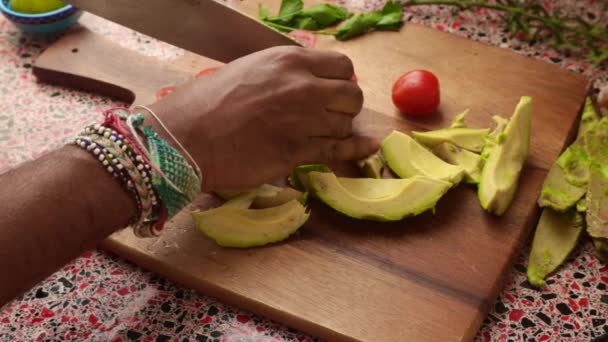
429	278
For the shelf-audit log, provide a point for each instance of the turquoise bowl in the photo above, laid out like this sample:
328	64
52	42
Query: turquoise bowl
47	23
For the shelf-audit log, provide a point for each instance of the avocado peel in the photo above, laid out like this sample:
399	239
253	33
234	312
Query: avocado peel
555	237
597	189
378	199
509	151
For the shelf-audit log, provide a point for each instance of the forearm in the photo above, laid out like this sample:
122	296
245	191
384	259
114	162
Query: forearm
57	207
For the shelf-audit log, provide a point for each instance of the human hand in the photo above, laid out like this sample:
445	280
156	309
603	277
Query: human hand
257	117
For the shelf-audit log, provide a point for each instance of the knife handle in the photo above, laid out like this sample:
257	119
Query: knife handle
88	61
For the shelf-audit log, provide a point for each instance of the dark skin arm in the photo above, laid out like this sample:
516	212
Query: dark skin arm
247	124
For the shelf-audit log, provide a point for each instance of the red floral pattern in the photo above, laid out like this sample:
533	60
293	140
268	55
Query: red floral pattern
103	298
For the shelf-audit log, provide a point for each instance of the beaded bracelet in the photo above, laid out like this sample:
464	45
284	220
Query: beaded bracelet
159	178
119	158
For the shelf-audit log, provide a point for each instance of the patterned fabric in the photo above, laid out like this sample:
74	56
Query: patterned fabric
100	297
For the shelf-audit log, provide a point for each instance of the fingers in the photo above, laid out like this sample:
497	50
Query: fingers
324	125
341	96
330	64
326	150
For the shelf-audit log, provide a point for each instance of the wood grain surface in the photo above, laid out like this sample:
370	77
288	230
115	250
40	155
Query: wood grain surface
430	278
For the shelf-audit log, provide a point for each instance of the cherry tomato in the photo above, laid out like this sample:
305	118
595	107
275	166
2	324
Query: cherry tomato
305	38
162	92
416	93
206	72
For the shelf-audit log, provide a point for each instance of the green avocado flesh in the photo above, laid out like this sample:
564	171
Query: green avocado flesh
264	196
470	161
378	199
509	150
232	226
472	139
408	158
597	193
556	236
299	176
458	121
372	166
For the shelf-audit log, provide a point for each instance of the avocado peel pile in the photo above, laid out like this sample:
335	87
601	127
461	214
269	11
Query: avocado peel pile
574	198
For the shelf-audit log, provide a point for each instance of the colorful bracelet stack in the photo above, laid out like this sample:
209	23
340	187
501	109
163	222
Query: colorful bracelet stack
159	178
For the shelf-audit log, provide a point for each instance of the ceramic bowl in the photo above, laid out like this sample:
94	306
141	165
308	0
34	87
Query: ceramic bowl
52	22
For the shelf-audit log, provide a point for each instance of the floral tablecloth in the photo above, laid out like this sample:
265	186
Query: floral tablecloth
100	297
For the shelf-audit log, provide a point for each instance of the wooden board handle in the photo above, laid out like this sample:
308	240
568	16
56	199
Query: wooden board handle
88	61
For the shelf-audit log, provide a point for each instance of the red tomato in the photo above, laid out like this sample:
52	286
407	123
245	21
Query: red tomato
305	38
416	93
206	72
162	92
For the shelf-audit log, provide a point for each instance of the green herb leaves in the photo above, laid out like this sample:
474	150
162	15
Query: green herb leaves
388	18
292	16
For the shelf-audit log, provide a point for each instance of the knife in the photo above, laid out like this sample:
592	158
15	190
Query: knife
205	27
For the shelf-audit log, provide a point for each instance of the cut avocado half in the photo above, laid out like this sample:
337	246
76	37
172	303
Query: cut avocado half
509	151
471	162
472	139
407	158
597	188
555	237
372	166
299	175
378	199
231	226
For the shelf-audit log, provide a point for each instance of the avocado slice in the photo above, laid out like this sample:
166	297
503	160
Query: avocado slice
408	158
268	200
264	196
597	190
232	226
556	236
458	121
266	189
470	161
299	175
472	139
378	199
372	166
509	150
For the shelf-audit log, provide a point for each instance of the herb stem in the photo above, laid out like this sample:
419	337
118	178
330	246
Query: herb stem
288	28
